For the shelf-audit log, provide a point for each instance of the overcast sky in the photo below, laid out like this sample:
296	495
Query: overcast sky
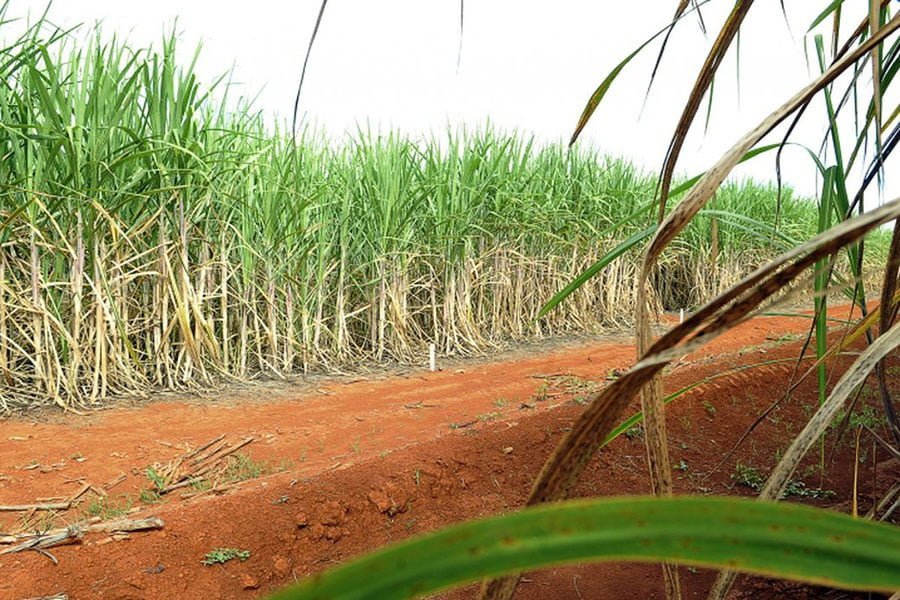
528	65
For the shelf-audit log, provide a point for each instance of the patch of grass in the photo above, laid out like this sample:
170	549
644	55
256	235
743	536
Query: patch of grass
241	467
106	508
201	485
43	521
614	374
634	433
493	416
868	417
221	556
155	478
799	489
747	476
500	402
354	447
148	496
787	337
709	408
750	477
579	384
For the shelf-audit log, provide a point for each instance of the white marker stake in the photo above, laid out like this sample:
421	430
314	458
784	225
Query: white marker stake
681	316
432	363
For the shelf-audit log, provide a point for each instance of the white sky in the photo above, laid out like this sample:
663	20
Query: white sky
528	65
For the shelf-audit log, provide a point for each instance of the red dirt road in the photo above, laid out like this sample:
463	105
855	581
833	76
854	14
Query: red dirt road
372	462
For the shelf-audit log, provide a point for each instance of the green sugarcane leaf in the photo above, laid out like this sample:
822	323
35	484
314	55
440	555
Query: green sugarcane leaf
774	539
595	268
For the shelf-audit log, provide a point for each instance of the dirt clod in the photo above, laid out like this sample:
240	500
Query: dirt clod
389	499
281	566
333	514
248	582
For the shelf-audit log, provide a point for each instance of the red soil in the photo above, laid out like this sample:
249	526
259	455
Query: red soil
372	462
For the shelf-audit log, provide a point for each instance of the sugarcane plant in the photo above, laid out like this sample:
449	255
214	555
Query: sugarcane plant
552	529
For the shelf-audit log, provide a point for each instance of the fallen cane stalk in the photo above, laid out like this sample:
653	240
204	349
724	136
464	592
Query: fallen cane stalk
30	507
74	533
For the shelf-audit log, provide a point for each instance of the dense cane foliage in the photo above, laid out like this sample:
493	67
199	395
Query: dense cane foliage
156	233
843	222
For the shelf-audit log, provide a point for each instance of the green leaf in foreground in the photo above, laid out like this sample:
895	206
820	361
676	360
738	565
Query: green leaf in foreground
788	541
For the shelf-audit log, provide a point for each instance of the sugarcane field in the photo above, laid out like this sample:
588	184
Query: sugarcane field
449	300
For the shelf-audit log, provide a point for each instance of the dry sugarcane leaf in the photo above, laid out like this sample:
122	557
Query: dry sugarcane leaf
888	316
679	11
652	396
703	190
704	79
874	23
312	40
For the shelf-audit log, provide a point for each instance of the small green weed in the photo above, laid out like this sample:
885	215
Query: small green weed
750	477
105	508
242	467
155	478
542	393
867	417
747	476
148	496
201	485
787	337
43	521
634	433
489	416
223	555
799	489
